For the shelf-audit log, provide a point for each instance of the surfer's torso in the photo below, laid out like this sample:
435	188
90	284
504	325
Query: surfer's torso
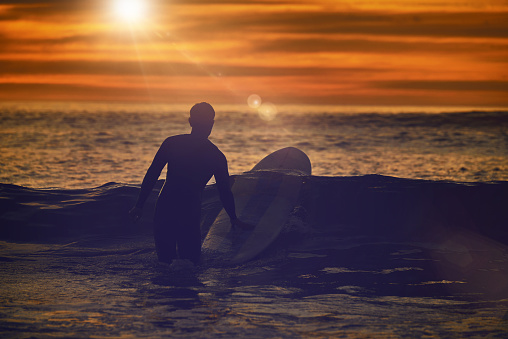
191	162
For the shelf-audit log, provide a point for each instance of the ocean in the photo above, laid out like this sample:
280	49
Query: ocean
400	231
87	145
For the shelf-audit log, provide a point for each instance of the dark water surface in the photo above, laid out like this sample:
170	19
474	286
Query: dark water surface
366	256
118	290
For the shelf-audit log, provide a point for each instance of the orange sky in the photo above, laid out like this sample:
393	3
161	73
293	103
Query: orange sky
365	52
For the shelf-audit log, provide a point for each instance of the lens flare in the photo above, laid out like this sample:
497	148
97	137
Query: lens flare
254	101
267	111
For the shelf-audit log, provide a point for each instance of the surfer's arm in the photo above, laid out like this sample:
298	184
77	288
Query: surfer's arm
151	176
226	196
228	201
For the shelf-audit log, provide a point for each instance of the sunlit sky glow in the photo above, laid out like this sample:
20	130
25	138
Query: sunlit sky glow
129	10
392	52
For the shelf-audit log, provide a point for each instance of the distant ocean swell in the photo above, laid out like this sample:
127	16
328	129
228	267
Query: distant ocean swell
87	146
367	206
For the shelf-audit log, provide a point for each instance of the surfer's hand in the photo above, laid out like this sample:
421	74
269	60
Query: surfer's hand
240	224
135	213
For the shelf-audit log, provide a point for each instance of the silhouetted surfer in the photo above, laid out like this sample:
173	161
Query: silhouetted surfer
192	159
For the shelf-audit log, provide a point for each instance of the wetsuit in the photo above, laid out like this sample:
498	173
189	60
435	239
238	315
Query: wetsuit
191	162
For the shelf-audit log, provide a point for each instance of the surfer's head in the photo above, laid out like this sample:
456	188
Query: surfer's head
202	118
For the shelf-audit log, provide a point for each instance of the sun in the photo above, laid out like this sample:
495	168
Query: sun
130	10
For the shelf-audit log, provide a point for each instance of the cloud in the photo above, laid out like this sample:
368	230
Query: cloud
43	10
378	23
486	85
35	67
15	91
368	45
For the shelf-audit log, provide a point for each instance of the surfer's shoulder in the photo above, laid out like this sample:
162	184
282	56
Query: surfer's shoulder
175	139
179	137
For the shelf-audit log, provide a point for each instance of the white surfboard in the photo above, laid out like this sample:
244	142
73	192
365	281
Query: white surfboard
264	197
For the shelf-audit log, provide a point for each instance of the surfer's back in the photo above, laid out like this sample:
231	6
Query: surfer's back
191	162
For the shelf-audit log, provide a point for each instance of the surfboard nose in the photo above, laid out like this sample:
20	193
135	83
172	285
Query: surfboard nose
289	158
